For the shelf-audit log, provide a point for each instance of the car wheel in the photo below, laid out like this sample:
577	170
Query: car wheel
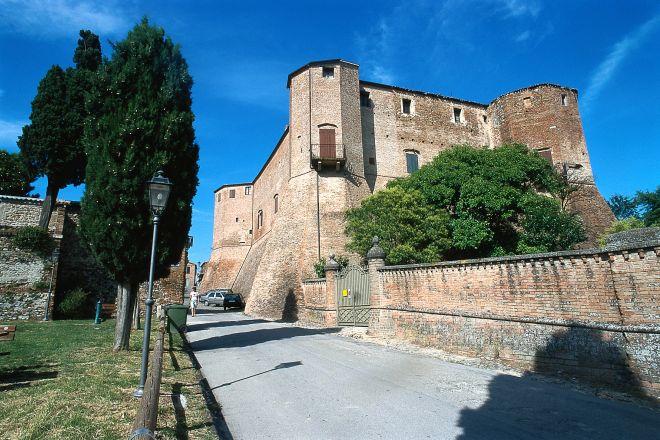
206	303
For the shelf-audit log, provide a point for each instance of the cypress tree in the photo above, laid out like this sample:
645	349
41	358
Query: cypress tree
14	177
51	144
143	123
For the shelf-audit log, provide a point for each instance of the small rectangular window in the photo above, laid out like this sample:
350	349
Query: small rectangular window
372	161
457	115
276	203
405	106
236	219
232	193
247	190
527	102
564	100
412	162
260	219
364	99
219	197
328	72
485	118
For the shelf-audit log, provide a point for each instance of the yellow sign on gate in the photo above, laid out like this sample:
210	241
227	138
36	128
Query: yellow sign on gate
344	292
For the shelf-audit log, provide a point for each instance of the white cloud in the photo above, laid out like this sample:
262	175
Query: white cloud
518	8
374	49
9	133
607	68
523	36
52	18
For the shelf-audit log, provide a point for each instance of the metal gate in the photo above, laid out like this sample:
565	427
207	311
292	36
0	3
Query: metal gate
353	296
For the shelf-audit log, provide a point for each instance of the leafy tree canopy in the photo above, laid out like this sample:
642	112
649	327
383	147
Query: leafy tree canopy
491	202
14	177
411	229
645	206
142	122
649	205
52	143
49	142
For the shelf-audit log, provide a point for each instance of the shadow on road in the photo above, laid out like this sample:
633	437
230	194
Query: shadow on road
277	367
208	325
254	337
528	407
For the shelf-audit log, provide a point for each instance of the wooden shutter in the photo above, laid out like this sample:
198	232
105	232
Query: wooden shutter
412	163
547	154
327	141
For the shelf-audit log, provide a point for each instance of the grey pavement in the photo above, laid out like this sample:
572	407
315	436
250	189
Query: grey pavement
277	381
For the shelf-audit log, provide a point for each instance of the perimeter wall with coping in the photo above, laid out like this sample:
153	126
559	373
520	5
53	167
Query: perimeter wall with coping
592	314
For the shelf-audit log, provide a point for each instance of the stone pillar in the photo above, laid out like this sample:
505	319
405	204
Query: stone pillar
376	260
331	269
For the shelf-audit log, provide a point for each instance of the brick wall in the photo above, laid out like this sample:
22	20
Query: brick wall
592	313
269	265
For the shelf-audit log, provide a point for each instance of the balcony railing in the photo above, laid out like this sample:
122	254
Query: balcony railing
331	154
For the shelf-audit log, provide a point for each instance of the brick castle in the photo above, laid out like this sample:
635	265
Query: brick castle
347	138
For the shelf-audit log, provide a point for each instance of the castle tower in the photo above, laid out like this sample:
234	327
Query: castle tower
546	118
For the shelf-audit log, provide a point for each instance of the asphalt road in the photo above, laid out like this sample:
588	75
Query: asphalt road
276	381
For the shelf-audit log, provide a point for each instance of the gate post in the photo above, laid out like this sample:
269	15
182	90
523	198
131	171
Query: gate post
331	269
376	260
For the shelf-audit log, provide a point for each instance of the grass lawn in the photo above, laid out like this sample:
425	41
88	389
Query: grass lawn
61	380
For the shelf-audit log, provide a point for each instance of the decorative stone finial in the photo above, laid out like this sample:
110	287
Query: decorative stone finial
332	263
376	252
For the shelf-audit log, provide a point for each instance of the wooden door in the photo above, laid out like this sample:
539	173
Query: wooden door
327	140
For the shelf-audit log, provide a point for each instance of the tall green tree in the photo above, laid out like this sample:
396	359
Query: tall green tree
623	206
15	178
649	205
410	230
497	202
52	143
143	123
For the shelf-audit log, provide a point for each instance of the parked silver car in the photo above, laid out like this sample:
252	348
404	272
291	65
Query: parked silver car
214	297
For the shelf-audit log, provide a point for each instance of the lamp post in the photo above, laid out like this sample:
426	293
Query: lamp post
159	191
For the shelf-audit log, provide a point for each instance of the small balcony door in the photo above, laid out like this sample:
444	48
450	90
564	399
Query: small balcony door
327	143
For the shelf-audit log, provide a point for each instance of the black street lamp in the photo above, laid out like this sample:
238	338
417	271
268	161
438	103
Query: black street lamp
159	191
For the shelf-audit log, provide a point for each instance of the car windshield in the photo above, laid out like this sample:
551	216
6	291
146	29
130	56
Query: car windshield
231	296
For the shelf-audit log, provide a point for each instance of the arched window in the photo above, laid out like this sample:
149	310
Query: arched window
276	202
260	219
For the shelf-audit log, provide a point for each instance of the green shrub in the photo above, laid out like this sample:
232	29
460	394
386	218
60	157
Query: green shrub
319	268
619	226
75	304
35	240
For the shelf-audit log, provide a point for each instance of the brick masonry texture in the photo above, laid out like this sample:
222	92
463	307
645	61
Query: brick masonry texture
592	314
265	255
169	288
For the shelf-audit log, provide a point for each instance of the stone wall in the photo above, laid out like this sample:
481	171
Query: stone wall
25	278
169	287
592	314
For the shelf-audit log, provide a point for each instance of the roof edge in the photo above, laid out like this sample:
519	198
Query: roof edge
316	64
420	92
536	86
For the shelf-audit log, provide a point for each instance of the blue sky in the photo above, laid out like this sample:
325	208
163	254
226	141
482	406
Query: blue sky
241	52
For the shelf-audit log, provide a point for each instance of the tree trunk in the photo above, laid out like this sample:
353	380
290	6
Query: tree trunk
136	311
125	303
48	205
